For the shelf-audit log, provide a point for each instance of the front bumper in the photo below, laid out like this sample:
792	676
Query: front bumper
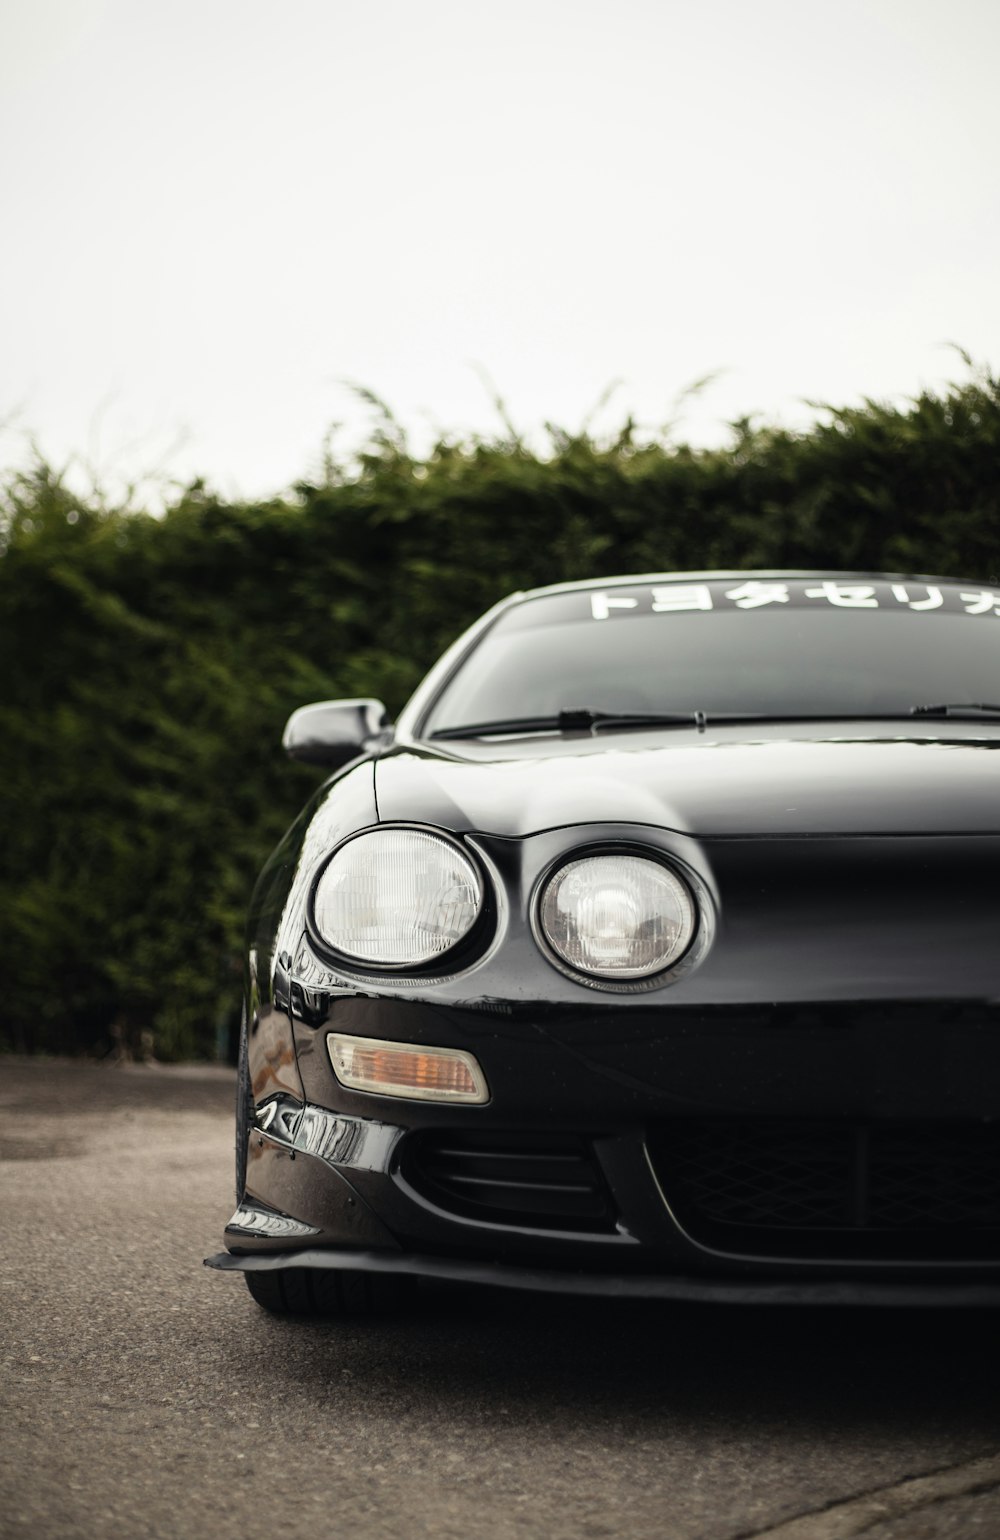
343	1179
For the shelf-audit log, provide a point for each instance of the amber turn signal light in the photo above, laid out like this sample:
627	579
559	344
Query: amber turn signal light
407	1069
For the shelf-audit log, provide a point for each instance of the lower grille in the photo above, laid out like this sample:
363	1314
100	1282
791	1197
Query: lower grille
825	1187
540	1181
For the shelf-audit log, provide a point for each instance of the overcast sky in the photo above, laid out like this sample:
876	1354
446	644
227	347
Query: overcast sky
215	213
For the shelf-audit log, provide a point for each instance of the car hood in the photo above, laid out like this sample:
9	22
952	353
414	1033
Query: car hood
785	782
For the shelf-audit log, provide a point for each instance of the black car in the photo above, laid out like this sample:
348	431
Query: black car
655	951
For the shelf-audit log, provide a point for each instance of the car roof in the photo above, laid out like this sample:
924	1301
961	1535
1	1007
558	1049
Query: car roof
582	585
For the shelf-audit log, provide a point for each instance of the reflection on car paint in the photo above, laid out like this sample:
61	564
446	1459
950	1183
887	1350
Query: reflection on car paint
255	1219
357	1143
271	1056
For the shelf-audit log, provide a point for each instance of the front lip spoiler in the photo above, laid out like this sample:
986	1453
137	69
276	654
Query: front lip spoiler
798	1291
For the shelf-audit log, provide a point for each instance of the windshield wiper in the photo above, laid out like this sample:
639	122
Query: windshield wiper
961	708
582	720
586	720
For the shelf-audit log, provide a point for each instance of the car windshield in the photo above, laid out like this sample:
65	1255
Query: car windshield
789	647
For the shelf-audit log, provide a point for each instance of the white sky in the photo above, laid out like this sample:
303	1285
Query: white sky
214	213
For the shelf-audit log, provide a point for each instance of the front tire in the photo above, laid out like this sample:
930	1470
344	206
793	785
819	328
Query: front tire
306	1291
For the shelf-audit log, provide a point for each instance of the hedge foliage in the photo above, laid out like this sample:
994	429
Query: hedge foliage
149	663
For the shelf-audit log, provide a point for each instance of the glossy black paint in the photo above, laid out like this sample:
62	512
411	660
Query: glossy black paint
332	733
845	967
759	780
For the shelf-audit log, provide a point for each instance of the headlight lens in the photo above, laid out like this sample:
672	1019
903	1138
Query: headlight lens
397	898
617	916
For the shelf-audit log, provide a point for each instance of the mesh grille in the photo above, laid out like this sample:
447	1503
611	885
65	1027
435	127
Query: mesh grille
543	1181
845	1185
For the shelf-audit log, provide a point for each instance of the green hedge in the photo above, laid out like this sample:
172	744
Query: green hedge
149	663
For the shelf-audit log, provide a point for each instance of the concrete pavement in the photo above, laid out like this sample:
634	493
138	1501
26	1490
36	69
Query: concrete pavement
142	1395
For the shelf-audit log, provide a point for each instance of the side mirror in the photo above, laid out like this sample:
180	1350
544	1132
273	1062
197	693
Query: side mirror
333	731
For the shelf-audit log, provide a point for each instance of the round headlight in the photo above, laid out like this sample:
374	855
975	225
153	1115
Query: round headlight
617	916
397	898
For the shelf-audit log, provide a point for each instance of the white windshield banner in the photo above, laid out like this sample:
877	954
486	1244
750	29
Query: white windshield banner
760	593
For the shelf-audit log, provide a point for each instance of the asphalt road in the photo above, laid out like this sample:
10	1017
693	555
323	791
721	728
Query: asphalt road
143	1396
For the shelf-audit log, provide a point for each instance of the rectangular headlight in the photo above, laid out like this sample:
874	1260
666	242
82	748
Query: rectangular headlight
406	1069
